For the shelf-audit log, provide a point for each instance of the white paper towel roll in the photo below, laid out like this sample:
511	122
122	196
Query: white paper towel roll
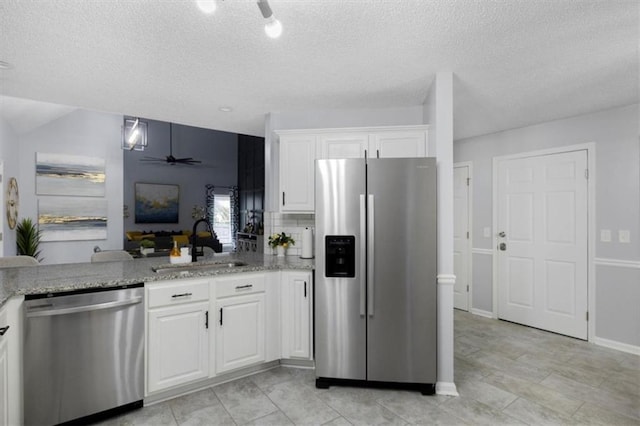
307	243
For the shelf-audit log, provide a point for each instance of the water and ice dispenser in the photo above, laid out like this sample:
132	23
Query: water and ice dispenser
340	256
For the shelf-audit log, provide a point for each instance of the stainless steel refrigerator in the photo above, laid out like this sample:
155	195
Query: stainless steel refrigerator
375	292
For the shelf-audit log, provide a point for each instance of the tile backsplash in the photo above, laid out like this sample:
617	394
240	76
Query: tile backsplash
291	224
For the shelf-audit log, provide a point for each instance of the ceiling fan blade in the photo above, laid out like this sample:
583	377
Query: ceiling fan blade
187	160
152	159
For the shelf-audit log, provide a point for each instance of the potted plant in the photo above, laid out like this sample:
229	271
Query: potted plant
28	238
280	242
147	246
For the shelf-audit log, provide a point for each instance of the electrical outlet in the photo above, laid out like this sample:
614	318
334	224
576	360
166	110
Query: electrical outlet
486	232
605	235
624	236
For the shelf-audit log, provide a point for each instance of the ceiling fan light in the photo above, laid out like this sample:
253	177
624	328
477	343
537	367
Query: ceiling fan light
207	6
273	28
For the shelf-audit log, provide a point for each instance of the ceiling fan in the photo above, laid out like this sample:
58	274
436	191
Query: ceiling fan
170	159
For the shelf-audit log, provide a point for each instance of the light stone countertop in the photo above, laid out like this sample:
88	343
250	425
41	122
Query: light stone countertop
77	276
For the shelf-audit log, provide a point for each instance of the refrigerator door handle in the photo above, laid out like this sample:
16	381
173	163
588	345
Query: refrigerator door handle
370	252
363	255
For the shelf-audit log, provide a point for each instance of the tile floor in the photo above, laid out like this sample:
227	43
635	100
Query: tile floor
505	373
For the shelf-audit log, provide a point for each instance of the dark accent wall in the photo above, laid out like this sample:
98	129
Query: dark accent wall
217	150
251	180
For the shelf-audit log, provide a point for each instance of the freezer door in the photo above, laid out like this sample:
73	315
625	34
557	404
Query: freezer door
340	324
402	270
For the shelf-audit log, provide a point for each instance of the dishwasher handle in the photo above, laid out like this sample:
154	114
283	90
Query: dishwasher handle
86	308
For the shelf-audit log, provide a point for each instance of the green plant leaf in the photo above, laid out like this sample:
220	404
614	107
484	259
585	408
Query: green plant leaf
28	238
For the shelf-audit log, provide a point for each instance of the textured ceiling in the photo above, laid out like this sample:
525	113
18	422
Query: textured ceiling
515	62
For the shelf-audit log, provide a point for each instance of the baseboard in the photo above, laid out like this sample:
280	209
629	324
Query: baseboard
482	313
612	344
298	363
446	388
182	390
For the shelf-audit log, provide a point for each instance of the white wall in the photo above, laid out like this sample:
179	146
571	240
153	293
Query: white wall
80	132
615	133
217	150
9	157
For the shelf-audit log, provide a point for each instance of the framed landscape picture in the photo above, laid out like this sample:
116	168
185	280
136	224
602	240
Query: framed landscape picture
72	219
157	203
75	175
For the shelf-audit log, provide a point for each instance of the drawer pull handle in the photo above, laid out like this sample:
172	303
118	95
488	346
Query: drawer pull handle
220	316
305	289
244	287
182	295
3	330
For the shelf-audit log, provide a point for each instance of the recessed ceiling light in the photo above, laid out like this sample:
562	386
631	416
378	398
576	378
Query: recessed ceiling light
225	109
5	65
207	6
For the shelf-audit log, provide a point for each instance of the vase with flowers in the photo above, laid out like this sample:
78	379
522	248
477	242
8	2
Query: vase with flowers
281	242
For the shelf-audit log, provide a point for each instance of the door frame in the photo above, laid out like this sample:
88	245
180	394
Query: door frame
469	165
590	148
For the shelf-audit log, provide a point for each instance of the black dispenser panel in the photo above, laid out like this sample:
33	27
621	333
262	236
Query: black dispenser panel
340	256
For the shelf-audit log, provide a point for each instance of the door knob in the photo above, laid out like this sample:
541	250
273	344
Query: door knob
502	246
502	234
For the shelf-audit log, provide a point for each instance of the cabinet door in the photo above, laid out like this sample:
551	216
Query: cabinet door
399	144
343	145
240	332
296	315
297	171
178	346
11	362
4	380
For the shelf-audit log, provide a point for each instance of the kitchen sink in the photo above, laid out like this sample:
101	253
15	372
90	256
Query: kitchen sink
198	266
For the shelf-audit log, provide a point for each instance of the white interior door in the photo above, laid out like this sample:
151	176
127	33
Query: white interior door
461	249
542	222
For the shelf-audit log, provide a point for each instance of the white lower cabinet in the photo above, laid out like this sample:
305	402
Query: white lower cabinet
199	328
177	333
297	302
240	328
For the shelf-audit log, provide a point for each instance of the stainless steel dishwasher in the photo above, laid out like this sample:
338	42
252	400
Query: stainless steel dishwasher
84	354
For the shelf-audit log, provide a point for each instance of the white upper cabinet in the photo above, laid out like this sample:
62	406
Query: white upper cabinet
398	144
300	148
297	168
342	145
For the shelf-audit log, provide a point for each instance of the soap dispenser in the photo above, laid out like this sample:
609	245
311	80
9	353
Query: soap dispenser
175	251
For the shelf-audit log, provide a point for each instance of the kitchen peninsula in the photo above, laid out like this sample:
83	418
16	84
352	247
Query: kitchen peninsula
79	276
221	318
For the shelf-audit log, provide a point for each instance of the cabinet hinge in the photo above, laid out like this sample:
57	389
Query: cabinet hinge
467	235
586	173
587	315
467	288
468	180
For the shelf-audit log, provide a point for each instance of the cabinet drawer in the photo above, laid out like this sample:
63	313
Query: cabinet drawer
238	285
175	293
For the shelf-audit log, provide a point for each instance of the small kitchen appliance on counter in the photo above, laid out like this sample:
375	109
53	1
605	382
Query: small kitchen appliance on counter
375	291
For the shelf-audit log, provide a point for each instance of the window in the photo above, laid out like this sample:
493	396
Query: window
222	218
222	213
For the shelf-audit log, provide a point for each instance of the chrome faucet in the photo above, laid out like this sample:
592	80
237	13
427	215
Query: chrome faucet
194	255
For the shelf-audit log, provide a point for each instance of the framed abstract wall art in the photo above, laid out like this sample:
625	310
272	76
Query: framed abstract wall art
74	175
156	203
72	219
